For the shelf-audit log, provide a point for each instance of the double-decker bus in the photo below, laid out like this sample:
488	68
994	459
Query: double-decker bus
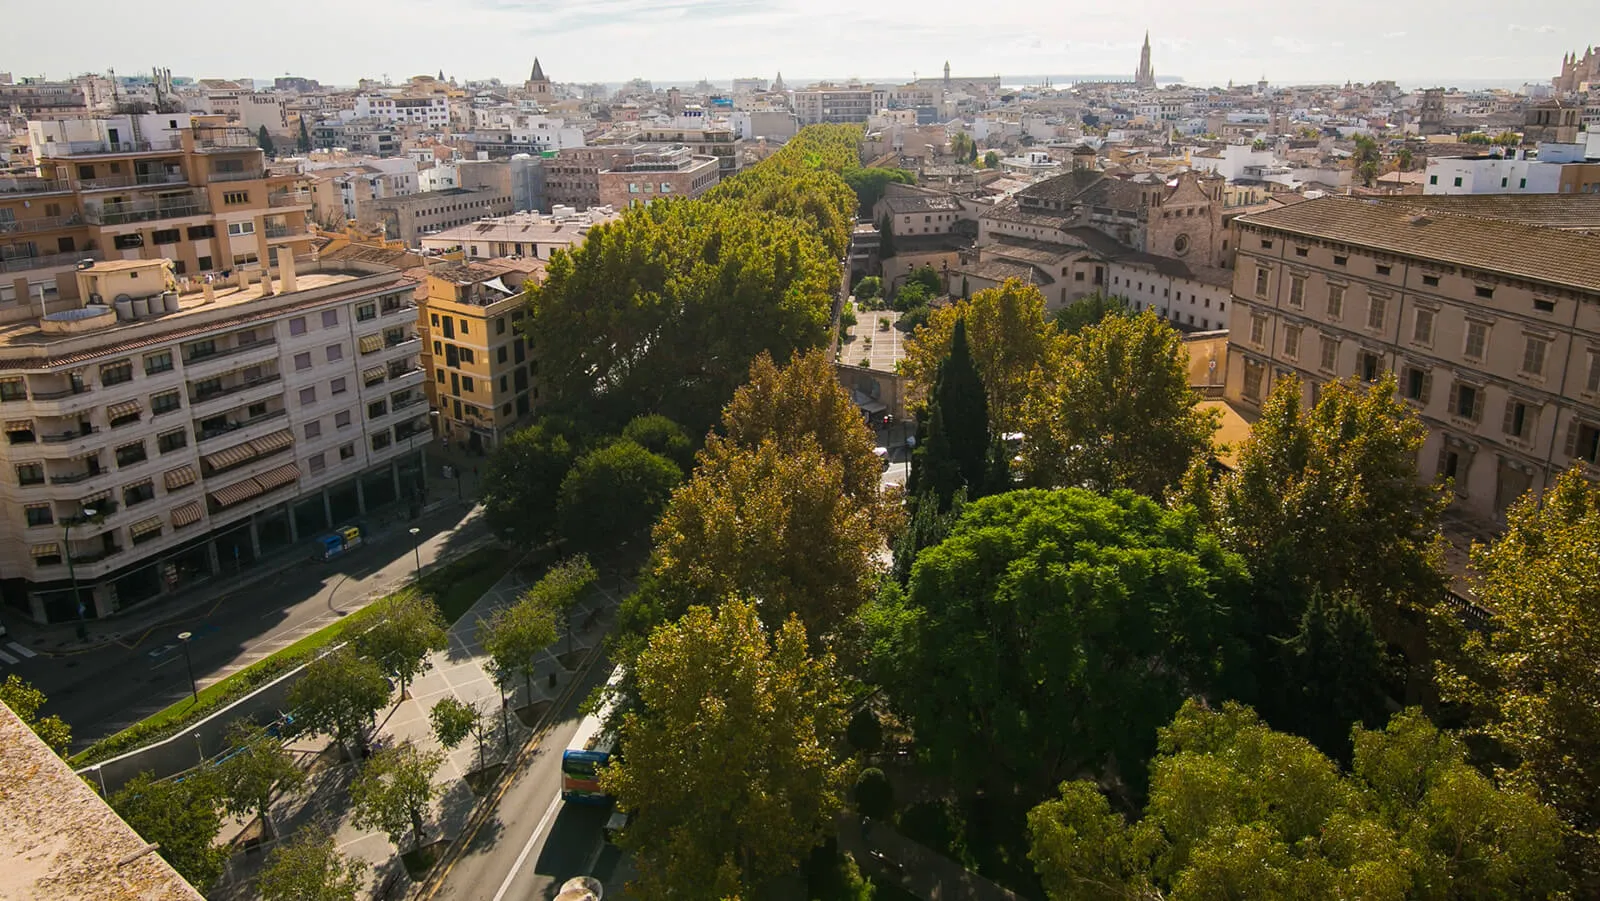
589	752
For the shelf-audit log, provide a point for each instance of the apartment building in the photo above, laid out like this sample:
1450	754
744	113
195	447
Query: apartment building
482	377
572	176
428	112
1486	309
156	186
408	218
838	104
529	234
653	171
172	434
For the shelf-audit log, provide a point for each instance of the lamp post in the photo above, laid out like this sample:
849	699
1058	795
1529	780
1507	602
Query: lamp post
416	549
77	602
102	775
189	664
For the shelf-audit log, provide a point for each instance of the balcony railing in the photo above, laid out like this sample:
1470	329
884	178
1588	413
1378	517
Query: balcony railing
289	198
284	231
251	175
225	140
42	223
200	398
74	478
132	181
58	395
101	148
34	186
232	427
403	369
47	261
65	436
222	352
147	210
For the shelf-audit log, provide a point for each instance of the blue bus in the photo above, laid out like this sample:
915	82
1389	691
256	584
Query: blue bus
589	752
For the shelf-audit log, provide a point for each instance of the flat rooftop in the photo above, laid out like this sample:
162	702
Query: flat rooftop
59	840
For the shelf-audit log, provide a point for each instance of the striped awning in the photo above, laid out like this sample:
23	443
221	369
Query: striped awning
47	550
96	498
228	495
274	442
26	425
232	456
371	343
186	515
277	478
145	526
375	374
126	408
177	478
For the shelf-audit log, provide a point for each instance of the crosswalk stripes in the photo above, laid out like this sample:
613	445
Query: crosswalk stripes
7	658
20	649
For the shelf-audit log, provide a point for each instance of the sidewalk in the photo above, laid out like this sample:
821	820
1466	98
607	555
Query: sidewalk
458	671
61	639
885	853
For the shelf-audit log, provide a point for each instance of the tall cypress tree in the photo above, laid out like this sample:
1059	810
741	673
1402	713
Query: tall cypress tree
305	138
885	237
956	452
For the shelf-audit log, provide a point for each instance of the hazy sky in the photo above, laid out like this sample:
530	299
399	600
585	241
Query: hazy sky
673	40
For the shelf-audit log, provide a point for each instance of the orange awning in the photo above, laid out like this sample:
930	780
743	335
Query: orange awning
274	442
186	515
177	478
277	478
232	456
228	495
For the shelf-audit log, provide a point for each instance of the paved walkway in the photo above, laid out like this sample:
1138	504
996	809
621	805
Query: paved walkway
457	671
881	851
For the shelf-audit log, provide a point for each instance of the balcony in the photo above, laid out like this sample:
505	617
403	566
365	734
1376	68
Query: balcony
47	261
265	384
230	358
107	148
224	139
289	198
284	231
27	185
41	224
248	175
408	310
130	211
243	429
146	179
74	478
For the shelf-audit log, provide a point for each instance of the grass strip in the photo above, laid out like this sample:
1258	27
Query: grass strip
455	587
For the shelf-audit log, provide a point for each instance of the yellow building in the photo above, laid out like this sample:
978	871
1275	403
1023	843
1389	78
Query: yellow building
482	378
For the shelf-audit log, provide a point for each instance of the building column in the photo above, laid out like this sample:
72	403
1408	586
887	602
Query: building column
255	539
327	510
211	557
361	496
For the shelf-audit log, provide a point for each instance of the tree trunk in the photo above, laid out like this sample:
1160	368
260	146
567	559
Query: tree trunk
416	826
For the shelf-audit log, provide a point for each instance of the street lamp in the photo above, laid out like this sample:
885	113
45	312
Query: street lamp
416	549
189	664
77	602
102	775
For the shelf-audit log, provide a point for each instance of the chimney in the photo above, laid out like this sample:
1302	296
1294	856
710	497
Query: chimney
266	278
286	270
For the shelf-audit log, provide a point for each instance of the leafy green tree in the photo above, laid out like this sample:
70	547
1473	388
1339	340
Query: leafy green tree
660	435
1237	810
865	733
393	790
304	145
561	588
613	493
954	456
874	794
1529	681
1012	344
871	183
1366	159
522	480
406	627
515	636
1404	159
1086	311
454	719
181	817
309	867
928	278
1120	414
928	524
886	237
909	296
728	759
340	695
913	319
259	769
869	288
991	160
264	141
1054	631
1508	139
25	701
1475	137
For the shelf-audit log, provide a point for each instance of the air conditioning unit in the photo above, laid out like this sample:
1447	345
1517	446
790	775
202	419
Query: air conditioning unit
95	298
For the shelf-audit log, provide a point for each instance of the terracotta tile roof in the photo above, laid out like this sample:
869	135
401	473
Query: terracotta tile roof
1536	253
1570	211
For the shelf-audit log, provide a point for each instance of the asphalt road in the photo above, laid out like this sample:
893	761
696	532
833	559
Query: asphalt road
101	691
533	842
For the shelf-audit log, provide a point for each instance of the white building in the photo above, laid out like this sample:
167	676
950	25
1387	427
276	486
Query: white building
527	234
429	112
161	438
1507	172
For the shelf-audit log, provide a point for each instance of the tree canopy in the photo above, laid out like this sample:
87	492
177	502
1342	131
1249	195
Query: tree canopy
309	867
406	627
1237	810
249	778
1529	681
181	817
340	695
871	184
1012	345
660	435
1086	311
25	701
515	636
727	760
522	480
954	453
1053	631
393	790
1120	414
613	493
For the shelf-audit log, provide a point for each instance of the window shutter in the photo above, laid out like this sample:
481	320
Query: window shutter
1572	437
1455	397
1509	423
1444	454
1427	385
1477	404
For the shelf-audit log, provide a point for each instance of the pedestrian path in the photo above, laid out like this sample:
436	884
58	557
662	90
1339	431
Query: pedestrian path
459	671
12	652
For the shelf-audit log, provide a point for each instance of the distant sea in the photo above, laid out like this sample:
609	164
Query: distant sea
1063	80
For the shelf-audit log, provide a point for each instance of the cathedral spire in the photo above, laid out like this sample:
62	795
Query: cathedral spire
1145	77
538	72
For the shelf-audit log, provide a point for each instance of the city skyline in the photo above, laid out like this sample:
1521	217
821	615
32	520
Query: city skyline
1486	44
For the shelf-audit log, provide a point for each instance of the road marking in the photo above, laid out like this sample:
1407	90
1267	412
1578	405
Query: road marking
20	649
528	848
7	657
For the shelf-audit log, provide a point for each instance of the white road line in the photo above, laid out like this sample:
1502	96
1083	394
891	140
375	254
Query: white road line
528	848
7	657
20	649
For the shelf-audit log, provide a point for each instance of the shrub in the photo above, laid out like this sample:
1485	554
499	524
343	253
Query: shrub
874	794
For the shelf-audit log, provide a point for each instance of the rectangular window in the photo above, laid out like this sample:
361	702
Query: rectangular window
1265	244
1477	340
1431	281
165	402
1533	354
166	236
500	325
308	396
500	354
1583	441
341	419
1592	383
1340	260
1416	384
1422	327
1302	251
463	326
317	463
30	473
347	451
1291	342
1330	354
116	373
380	440
1376	308
173	440
467	384
1481	291
139	493
302	361
330	318
1297	292
1261	282
1468	401
1518	421
366	311
202	232
1258	329
39	514
376	409
313	429
238	229
129	454
1335	302
337	386
1253	373
467	356
1368	366
16	389
297	325
1383	270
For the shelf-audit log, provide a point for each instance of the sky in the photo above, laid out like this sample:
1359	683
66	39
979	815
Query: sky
1424	42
